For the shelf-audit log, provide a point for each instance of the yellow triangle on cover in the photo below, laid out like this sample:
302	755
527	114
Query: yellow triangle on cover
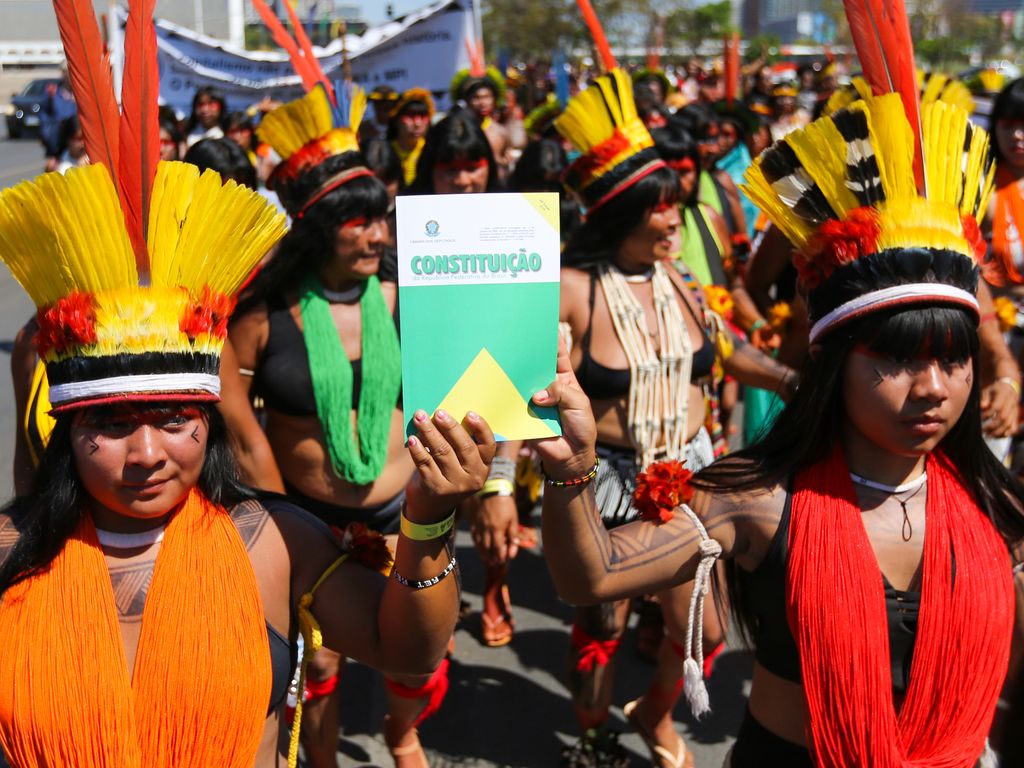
547	208
485	388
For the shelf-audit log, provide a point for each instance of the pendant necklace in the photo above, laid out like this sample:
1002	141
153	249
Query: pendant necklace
914	486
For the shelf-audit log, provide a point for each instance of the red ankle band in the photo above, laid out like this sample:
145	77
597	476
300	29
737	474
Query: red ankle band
591	651
319	689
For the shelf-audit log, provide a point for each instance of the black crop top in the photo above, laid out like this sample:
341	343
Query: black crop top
762	593
283	379
603	383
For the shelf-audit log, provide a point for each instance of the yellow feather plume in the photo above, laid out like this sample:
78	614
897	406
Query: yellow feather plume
205	233
893	142
290	127
592	116
64	233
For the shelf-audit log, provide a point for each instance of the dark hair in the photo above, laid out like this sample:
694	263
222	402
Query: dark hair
226	157
239	121
457	137
600	236
1008	104
809	426
206	92
309	244
382	159
69	126
48	516
673	142
696	119
414	107
539	169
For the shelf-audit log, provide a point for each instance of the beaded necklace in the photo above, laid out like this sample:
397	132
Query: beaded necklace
659	379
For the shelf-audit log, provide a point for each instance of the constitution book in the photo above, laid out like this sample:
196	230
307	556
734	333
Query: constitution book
478	295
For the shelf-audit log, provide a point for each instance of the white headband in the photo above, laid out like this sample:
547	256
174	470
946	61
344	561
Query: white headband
892	297
138	384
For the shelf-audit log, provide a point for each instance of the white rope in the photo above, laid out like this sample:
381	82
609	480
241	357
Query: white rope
693	665
659	380
897	294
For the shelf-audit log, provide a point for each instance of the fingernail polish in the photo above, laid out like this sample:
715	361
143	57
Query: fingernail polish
411	442
442	414
472	415
542	395
420	416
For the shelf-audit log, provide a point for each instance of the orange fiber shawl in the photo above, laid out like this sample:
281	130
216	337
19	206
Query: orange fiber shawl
202	674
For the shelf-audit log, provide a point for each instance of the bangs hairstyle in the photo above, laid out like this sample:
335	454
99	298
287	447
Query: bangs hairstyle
47	517
309	244
540	169
382	159
457	137
674	143
1009	104
599	237
811	423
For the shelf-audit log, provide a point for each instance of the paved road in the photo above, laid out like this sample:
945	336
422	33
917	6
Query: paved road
506	706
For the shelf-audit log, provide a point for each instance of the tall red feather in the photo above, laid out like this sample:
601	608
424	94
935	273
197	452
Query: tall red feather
140	127
309	77
881	34
307	49
597	32
91	81
732	68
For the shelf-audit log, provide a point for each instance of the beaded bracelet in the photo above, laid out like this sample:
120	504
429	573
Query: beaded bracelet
581	480
427	582
426	532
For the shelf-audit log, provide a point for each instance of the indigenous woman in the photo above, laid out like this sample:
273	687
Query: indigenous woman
643	350
845	523
318	335
207	118
456	159
482	92
179	596
407	128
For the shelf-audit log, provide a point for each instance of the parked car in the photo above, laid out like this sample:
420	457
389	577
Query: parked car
23	114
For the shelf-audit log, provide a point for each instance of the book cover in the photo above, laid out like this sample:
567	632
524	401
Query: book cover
478	299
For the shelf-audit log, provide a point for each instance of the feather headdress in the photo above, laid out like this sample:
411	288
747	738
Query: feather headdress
322	124
616	149
132	263
478	74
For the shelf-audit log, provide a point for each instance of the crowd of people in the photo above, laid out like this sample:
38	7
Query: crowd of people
789	384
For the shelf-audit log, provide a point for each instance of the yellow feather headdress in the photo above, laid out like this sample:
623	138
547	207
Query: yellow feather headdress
133	264
617	149
843	191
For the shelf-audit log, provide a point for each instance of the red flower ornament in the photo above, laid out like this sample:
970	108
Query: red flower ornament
659	490
68	323
365	546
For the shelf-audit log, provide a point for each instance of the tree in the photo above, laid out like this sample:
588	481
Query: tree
695	25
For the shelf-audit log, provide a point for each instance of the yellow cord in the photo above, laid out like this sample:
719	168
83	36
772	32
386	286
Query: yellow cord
312	641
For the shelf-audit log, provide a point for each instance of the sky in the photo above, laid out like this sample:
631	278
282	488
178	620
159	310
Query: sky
373	10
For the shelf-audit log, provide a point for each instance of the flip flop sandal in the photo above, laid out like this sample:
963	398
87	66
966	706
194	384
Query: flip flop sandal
497	630
660	756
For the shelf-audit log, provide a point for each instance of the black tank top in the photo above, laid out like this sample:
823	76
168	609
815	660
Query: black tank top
762	593
603	383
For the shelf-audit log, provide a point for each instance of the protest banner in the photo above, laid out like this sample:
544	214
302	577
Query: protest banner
424	48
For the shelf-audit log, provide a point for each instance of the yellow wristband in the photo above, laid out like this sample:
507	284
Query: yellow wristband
428	532
498	486
1011	382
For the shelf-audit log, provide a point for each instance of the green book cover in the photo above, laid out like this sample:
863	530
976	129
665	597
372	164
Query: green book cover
478	296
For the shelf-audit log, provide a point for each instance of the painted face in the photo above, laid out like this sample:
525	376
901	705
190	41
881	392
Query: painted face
905	407
710	145
482	102
358	246
208	111
1010	135
168	146
137	462
413	125
653	239
241	136
728	138
687	172
461	176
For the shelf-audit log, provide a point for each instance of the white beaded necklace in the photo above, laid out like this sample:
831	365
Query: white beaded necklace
114	540
658	396
914	484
